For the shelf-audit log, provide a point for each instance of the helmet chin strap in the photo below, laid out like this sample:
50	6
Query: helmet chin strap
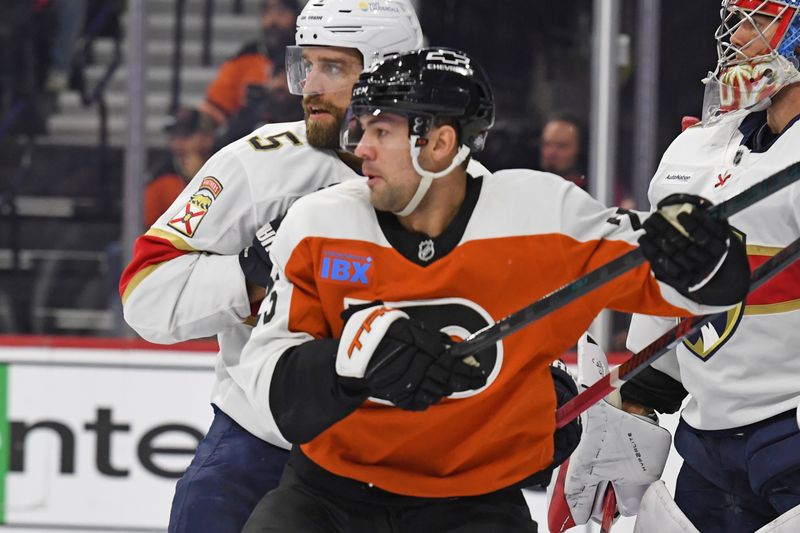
426	175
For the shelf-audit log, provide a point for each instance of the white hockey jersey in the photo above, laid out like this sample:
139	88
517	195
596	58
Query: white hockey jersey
185	281
745	367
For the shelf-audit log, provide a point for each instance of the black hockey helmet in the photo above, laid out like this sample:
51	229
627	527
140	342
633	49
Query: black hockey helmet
427	84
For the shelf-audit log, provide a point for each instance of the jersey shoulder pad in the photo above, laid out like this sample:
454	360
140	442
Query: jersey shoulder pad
351	197
521	181
692	144
269	138
284	144
342	211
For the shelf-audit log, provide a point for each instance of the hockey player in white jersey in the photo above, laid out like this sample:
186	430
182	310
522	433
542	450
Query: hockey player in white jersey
738	434
202	269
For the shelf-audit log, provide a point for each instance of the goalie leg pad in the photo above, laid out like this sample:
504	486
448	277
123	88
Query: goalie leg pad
658	512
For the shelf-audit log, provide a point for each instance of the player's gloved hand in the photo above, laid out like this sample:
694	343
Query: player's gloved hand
398	359
254	259
686	249
616	447
453	374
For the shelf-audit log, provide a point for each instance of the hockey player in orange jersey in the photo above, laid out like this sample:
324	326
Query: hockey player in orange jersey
375	278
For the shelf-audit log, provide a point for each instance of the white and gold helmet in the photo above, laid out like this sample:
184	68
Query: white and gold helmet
376	28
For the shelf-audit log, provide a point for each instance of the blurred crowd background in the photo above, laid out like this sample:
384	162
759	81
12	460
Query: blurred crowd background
215	71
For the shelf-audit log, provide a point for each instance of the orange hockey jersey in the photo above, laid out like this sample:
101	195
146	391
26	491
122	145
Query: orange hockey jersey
519	235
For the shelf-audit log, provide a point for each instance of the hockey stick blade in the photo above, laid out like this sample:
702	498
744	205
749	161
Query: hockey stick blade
557	299
619	375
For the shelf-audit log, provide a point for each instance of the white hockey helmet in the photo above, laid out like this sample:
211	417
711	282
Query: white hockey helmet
744	81
376	28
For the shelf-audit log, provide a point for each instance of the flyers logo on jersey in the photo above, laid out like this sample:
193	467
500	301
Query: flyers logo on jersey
339	267
188	218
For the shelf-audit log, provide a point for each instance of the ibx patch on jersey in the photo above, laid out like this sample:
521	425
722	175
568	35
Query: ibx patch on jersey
188	218
342	267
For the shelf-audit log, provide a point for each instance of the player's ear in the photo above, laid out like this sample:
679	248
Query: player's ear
444	144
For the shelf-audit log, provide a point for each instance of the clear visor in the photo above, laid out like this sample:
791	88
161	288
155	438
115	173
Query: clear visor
377	129
319	69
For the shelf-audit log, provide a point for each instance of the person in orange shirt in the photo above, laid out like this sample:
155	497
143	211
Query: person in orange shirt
254	63
191	142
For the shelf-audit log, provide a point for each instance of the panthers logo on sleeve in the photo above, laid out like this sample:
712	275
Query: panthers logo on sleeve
188	217
713	335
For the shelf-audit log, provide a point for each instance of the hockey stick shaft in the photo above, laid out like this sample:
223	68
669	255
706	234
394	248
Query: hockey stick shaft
609	509
688	326
600	276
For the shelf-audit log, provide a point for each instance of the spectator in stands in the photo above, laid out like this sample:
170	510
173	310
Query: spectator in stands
68	19
562	149
191	143
264	104
255	63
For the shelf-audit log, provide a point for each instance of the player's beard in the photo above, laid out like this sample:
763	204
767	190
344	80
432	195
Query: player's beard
324	135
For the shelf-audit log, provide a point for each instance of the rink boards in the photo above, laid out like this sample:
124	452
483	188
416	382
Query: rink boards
94	434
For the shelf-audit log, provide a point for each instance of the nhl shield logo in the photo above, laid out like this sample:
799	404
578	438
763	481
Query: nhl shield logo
426	250
188	218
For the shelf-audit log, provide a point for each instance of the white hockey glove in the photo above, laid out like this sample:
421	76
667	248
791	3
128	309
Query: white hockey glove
626	450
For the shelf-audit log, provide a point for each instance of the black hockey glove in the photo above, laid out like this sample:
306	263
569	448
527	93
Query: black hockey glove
699	256
254	260
400	360
567	438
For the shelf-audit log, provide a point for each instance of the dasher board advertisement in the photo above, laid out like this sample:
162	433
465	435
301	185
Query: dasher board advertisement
95	438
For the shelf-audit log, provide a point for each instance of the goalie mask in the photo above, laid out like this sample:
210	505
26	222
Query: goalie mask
427	87
757	47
